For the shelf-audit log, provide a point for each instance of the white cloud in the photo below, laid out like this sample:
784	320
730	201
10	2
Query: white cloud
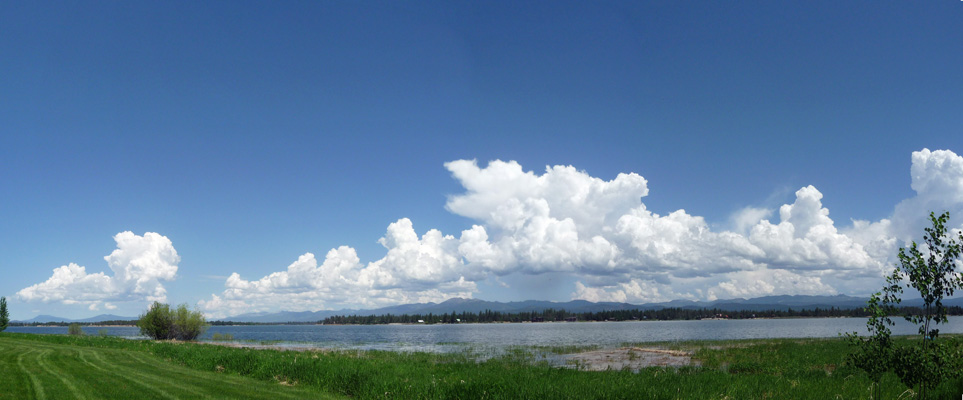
768	282
502	196
631	291
139	265
541	223
875	237
565	221
807	239
679	245
412	262
568	221
741	221
737	284
937	179
414	270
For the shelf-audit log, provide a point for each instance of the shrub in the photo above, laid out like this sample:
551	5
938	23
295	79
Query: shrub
162	323
74	329
188	325
157	322
4	315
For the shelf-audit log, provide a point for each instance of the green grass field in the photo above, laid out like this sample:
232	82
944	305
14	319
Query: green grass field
60	367
38	369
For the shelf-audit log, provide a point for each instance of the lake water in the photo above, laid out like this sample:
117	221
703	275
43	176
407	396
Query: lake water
444	338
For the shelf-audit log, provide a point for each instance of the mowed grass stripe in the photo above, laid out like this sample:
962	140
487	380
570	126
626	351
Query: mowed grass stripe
12	369
240	386
281	391
35	385
66	379
149	387
97	383
110	385
61	374
175	381
46	370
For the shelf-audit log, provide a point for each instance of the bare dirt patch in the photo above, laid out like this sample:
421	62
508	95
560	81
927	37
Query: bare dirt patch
632	358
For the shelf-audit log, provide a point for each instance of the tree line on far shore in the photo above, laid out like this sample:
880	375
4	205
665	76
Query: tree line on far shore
553	315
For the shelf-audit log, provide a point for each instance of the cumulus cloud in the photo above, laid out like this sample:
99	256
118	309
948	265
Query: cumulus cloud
937	179
741	221
767	282
631	291
738	284
565	221
807	239
414	270
501	195
568	221
139	265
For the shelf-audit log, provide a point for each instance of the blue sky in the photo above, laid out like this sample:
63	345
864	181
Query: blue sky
244	135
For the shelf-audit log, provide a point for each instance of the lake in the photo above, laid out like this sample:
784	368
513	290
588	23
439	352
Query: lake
444	338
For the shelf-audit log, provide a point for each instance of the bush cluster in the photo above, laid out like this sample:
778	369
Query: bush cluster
4	315
161	322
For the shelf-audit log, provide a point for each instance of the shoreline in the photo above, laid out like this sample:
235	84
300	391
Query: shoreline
632	358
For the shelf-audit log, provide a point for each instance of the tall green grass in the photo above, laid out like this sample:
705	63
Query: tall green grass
752	369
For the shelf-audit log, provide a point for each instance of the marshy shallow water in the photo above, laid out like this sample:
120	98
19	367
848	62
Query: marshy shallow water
501	337
581	345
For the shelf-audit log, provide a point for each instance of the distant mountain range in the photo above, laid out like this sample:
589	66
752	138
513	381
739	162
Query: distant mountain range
457	305
99	318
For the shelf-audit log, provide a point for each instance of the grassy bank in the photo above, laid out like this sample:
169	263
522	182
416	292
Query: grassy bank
96	367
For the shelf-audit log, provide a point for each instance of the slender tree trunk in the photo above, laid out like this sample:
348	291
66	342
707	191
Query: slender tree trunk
926	344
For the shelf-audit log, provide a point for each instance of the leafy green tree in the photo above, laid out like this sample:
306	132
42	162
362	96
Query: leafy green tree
75	330
932	273
160	322
930	270
4	315
188	325
157	322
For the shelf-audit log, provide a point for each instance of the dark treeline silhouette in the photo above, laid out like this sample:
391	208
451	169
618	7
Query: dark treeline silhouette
233	323
552	315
